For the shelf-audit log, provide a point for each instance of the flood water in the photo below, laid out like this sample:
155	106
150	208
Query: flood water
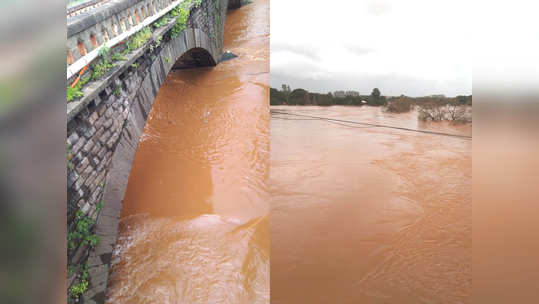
368	215
194	226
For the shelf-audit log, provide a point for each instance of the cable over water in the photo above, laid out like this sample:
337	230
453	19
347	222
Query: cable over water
371	124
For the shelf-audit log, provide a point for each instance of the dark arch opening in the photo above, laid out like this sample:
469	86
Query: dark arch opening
195	57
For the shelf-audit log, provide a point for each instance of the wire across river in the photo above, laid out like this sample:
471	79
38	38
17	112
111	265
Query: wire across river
371	124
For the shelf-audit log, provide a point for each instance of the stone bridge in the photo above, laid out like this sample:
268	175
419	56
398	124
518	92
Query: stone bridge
118	55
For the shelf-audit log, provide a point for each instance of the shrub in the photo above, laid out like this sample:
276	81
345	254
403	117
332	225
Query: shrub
401	105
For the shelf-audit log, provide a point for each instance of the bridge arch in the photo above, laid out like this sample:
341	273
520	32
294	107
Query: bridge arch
105	125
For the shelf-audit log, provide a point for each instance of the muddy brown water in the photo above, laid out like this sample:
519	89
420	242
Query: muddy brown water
368	215
194	226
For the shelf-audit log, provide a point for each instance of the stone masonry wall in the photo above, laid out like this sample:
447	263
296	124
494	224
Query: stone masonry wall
103	136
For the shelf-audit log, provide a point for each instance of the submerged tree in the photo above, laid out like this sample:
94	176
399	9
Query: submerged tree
376	98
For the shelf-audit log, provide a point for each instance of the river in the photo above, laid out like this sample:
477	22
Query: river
194	225
368	215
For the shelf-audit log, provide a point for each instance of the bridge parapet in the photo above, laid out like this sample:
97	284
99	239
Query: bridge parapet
108	25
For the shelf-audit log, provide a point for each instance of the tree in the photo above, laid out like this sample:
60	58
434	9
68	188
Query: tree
286	91
299	97
376	98
375	93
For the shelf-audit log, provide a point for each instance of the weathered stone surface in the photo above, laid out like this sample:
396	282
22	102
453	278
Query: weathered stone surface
80	143
93	118
72	139
89	132
108	122
83	164
108	112
104	132
105	137
72	176
88	146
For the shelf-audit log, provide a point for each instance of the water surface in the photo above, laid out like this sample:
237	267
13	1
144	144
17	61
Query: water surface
368	215
194	226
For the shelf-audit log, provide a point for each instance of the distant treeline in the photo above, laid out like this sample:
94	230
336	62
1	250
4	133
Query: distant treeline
404	103
303	97
395	104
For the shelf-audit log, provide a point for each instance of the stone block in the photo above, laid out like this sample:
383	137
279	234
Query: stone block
96	148
101	153
108	122
92	119
112	140
78	184
101	166
109	112
105	137
72	176
89	131
100	122
101	109
88	146
82	165
90	181
86	173
80	143
97	101
85	208
98	134
72	139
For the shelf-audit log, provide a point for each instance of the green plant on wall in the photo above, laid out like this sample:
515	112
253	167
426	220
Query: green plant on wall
139	39
78	289
82	233
162	21
182	11
103	64
117	91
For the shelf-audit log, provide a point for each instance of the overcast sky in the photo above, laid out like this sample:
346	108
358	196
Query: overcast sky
412	47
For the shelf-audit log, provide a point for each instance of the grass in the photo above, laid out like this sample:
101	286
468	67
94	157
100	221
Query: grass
139	39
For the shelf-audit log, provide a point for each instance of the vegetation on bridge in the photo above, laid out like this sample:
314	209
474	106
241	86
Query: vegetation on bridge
82	235
106	61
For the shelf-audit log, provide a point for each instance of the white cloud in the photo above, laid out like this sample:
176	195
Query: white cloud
424	43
